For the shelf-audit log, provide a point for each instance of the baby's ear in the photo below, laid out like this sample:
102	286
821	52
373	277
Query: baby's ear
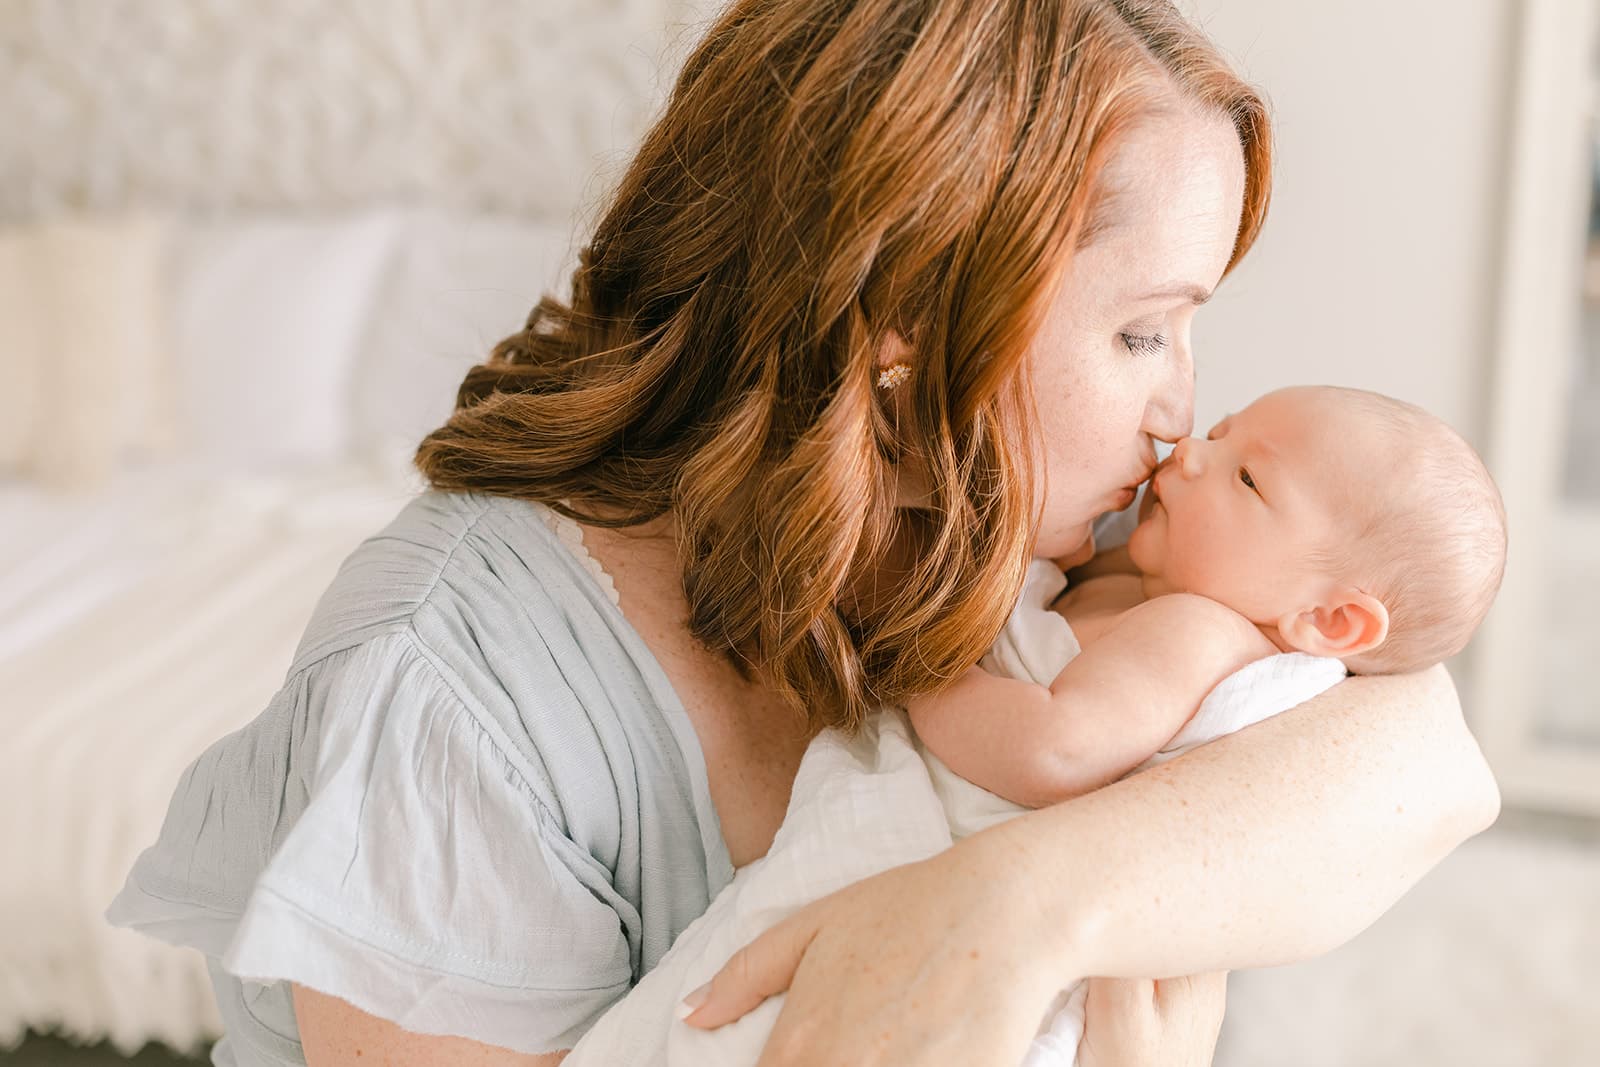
1348	624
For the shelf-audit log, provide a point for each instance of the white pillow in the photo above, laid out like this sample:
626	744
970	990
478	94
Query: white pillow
268	316
459	284
86	349
22	350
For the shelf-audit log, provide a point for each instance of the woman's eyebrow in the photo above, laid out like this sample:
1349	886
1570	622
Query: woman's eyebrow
1198	294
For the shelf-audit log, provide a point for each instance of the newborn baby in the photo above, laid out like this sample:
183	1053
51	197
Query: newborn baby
1333	522
1329	521
1316	530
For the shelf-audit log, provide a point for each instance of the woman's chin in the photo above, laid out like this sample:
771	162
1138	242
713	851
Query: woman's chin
1078	556
1068	545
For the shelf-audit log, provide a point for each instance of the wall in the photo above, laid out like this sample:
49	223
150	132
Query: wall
1377	267
1378	264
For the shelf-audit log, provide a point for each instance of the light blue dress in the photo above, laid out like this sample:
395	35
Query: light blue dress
475	807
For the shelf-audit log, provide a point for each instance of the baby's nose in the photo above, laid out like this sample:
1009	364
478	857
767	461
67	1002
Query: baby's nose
1186	453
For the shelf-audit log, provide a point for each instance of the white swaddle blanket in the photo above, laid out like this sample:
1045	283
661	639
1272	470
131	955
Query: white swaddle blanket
877	801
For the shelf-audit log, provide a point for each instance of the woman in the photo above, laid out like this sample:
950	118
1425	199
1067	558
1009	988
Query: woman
517	753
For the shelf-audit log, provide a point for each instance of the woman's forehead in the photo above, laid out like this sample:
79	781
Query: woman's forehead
1173	153
1174	196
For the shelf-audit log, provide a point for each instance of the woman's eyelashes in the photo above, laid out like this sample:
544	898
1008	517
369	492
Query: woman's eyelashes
1144	344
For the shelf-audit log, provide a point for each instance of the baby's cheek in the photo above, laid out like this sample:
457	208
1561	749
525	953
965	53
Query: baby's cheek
1139	547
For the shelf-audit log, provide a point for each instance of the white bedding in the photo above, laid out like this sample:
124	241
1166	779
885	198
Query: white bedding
137	625
156	606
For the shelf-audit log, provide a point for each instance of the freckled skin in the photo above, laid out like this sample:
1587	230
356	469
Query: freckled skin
1112	372
1101	404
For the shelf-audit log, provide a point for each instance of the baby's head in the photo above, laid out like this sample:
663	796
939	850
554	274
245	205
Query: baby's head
1357	526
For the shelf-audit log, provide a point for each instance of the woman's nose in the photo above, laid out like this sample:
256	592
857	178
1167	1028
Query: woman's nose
1169	415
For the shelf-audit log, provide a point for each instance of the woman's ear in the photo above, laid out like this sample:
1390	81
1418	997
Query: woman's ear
894	349
911	485
1350	623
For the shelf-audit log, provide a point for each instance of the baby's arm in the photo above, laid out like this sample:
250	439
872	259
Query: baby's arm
1113	706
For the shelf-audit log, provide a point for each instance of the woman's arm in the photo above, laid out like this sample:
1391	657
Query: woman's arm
335	1033
1271	845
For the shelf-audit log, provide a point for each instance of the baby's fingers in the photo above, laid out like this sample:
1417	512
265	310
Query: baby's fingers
763	968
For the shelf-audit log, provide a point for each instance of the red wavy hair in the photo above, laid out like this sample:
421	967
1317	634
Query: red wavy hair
826	172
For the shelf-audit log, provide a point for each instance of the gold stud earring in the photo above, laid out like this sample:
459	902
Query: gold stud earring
894	374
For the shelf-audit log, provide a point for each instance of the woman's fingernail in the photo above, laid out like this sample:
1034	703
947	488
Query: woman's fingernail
693	1001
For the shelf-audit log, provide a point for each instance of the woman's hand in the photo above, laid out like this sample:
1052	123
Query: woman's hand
926	964
1135	1022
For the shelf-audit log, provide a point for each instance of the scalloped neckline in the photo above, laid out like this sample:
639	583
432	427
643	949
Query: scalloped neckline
719	863
570	534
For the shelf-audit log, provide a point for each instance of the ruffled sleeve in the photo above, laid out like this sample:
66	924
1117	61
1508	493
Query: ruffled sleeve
411	865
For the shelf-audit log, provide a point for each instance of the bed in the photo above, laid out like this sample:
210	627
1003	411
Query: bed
151	595
243	264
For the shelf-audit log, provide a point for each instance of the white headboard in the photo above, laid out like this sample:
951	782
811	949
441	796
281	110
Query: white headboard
217	107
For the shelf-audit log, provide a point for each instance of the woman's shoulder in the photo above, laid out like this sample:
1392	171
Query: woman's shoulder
374	834
494	605
462	555
497	599
471	734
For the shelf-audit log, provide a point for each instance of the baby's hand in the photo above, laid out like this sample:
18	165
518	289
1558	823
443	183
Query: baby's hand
1111	561
1079	556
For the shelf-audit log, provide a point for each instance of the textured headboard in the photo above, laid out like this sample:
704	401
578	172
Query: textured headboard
208	107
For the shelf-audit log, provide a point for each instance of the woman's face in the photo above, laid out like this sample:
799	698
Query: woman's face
1111	366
